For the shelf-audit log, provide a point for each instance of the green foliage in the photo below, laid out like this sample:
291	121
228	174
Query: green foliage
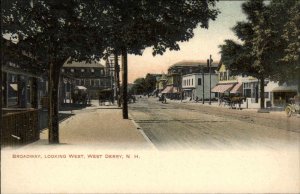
269	41
160	24
53	30
138	86
144	85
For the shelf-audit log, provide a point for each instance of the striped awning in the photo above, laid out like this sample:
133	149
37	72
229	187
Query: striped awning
222	88
170	90
237	89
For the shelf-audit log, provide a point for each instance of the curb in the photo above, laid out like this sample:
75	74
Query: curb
142	132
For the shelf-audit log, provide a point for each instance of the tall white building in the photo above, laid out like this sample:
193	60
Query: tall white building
192	85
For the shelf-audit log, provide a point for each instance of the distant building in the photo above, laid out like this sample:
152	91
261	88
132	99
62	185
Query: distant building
93	76
276	95
192	85
174	87
189	67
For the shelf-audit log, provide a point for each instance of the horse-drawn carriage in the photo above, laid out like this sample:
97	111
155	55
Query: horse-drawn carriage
293	107
232	102
79	95
105	96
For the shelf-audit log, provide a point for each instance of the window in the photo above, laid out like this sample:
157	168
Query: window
72	70
97	82
267	94
77	82
192	81
101	72
247	93
92	82
82	70
92	70
13	79
199	81
62	70
87	82
225	76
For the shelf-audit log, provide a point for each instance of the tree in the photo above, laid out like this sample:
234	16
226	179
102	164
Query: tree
83	30
54	31
252	57
285	17
262	46
138	86
150	83
135	25
144	85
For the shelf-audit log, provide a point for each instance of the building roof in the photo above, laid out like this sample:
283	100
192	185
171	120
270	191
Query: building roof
83	64
193	64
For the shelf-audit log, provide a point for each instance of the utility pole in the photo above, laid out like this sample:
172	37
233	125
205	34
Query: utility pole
124	83
202	85
210	62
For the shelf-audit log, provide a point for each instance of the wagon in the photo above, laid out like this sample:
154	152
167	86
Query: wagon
232	101
293	107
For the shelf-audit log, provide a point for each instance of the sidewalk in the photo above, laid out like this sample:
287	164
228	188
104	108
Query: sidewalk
275	111
101	126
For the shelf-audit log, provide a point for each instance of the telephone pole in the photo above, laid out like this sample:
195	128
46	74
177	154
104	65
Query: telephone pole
210	62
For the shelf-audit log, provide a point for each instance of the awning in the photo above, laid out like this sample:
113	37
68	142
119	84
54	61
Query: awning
170	90
285	89
167	90
80	88
222	88
237	89
14	87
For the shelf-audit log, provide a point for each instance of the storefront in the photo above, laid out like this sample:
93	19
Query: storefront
282	95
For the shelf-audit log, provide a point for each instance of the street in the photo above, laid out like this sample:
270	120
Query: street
176	125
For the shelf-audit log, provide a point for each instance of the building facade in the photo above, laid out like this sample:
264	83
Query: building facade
276	95
174	87
93	76
193	84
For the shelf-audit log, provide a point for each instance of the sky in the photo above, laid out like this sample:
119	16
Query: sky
205	42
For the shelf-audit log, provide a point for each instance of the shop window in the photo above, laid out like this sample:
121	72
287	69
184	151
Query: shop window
199	81
247	93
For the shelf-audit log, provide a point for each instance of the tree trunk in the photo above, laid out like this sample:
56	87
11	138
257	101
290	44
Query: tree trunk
53	86
262	92
1	99
117	79
34	97
298	83
124	83
4	93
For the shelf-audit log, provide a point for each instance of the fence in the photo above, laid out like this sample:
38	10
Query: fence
19	126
